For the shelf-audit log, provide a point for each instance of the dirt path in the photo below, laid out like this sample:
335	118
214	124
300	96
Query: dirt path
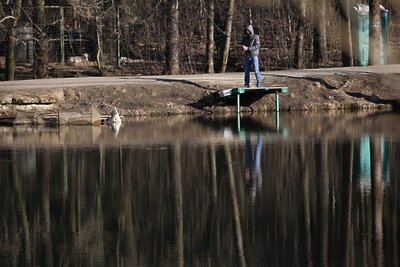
335	88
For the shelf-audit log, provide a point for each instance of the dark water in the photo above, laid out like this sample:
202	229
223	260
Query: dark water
308	189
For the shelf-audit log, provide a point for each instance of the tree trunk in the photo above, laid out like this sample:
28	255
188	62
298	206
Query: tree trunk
345	33
299	46
172	47
177	176
210	36
374	32
323	205
235	207
99	33
10	59
23	221
14	12
41	45
320	34
118	29
228	31
346	204
377	191
307	241
46	235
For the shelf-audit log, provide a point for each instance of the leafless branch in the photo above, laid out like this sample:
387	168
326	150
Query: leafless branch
7	17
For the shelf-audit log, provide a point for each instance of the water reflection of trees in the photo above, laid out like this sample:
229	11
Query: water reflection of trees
187	204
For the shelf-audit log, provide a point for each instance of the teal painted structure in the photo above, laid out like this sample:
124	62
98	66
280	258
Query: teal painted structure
238	91
245	90
360	34
364	171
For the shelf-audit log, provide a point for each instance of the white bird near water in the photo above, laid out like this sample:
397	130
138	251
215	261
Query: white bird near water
114	116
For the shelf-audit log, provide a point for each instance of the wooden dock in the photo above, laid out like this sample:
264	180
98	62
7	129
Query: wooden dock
245	90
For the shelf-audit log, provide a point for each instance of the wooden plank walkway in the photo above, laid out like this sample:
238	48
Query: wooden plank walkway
248	90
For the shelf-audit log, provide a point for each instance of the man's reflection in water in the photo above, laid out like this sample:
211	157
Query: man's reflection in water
253	174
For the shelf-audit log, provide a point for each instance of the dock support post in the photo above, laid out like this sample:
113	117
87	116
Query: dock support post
277	122
238	122
238	103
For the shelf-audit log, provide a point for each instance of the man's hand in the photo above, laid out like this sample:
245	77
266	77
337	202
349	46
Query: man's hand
245	48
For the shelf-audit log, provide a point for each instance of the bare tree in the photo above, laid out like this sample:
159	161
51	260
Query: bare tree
13	12
228	32
320	33
99	34
299	45
93	10
41	44
172	46
345	33
210	36
134	27
374	32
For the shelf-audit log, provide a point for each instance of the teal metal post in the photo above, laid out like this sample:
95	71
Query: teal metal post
238	111
277	111
238	122
277	121
238	102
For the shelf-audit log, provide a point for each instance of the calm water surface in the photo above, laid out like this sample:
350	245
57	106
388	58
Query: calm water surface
299	190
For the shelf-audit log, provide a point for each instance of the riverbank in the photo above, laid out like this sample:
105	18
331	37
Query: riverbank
357	88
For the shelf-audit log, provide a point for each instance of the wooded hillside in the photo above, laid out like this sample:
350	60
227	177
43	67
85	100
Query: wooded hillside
190	36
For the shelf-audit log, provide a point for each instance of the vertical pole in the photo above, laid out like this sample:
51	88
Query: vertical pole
277	122
238	111
238	103
62	22
238	122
